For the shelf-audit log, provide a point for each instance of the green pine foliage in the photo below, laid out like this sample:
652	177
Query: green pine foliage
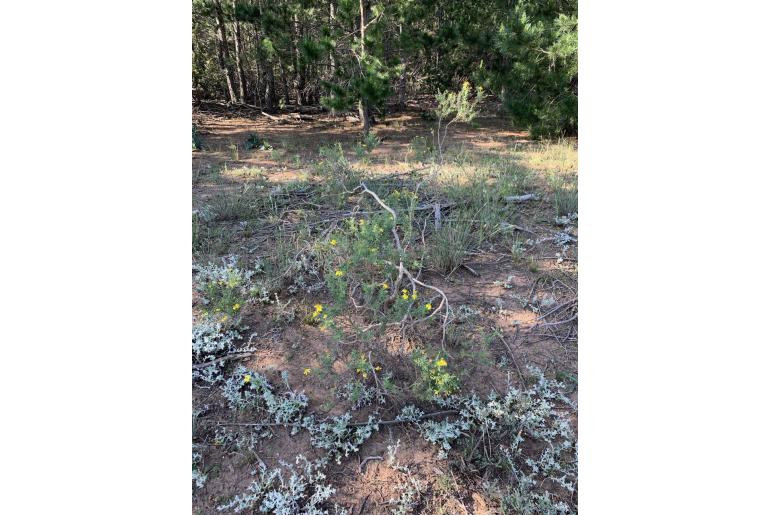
296	52
540	84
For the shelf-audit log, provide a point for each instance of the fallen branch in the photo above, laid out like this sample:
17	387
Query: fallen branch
275	119
355	424
521	198
234	355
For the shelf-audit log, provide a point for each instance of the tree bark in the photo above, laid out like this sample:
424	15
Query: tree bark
284	80
238	64
269	85
332	61
299	78
223	54
364	111
402	76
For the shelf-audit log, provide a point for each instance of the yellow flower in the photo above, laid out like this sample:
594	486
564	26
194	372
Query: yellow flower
246	379
364	375
377	368
385	286
333	243
428	306
404	291
339	273
361	221
405	296
223	319
466	85
414	295
441	363
236	307
318	308
306	371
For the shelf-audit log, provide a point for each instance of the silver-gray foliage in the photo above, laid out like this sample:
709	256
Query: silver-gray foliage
338	437
305	492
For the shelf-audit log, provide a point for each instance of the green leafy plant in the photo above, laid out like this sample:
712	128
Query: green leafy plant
197	143
254	142
233	148
455	107
225	288
421	149
433	376
366	146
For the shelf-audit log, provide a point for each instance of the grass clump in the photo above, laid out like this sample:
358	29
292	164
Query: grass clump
228	207
565	199
450	244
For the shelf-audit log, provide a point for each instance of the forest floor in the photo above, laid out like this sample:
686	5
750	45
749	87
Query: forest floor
293	218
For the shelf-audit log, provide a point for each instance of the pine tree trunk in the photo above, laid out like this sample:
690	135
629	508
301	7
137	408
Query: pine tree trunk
223	54
238	64
332	61
259	66
364	111
269	85
299	80
284	80
402	76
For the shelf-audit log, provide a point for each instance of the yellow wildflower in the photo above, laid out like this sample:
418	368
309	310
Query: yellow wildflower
339	273
246	379
306	371
405	296
377	368
385	286
414	295
333	243
361	221
441	363
428	306
364	375
236	307
318	308
223	319
404	291
466	85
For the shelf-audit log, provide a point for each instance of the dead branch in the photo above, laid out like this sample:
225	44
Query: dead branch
275	119
355	424
403	271
521	198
